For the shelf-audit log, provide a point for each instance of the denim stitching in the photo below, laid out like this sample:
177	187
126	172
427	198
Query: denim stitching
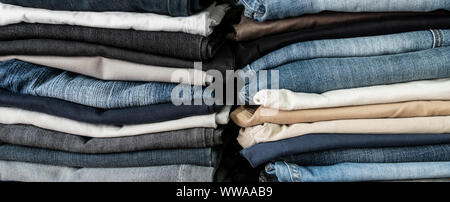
441	37
290	173
434	38
251	8
438	38
179	177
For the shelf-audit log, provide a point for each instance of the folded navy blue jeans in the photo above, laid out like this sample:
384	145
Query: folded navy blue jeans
426	153
165	7
271	151
124	116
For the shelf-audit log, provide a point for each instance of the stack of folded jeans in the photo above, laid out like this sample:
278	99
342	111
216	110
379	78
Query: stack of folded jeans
361	89
88	89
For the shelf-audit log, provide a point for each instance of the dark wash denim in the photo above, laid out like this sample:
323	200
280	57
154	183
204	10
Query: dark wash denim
327	74
199	157
29	79
167	49
265	152
32	136
427	153
250	51
224	59
165	7
172	44
125	116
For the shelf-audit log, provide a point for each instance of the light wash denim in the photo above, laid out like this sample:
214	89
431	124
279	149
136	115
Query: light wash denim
353	47
326	74
30	172
357	172
26	78
263	10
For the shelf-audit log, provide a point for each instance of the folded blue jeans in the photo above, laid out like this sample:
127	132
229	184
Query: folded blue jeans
271	151
357	172
427	153
164	7
25	78
326	74
200	157
353	47
263	10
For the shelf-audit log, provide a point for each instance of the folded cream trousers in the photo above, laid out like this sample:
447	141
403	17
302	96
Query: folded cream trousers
200	24
111	69
401	92
41	120
274	132
248	117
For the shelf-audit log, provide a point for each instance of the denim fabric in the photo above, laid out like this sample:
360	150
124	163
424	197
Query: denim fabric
164	7
51	47
265	152
48	139
357	172
223	60
172	44
428	153
262	10
326	74
252	50
30	172
125	116
353	47
200	157
25	78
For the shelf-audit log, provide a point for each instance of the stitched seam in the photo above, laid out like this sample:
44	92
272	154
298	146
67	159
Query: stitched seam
438	38
290	173
179	174
251	8
442	37
434	38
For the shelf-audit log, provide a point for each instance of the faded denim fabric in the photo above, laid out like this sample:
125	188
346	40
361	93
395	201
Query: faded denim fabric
326	74
356	172
200	157
25	78
30	172
262	10
164	7
353	47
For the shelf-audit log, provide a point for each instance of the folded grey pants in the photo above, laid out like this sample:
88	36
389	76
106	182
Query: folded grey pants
29	172
47	139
